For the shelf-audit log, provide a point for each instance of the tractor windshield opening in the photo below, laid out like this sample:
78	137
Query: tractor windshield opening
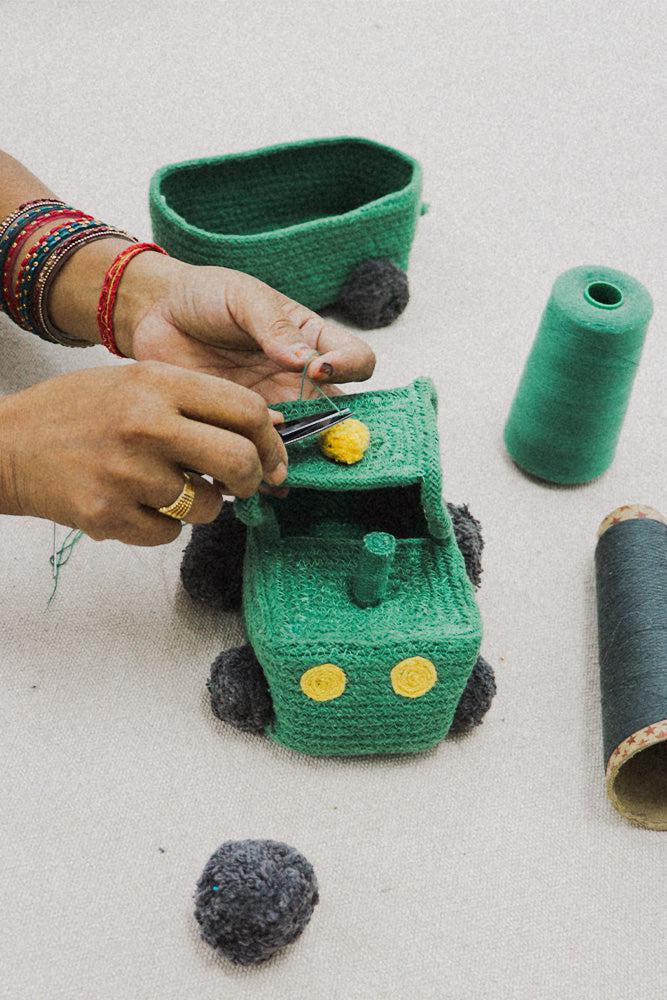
352	514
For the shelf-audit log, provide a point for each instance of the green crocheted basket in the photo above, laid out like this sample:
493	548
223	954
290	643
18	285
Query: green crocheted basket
300	216
346	678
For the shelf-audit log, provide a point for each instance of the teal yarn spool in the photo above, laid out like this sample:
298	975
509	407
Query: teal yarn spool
631	583
568	410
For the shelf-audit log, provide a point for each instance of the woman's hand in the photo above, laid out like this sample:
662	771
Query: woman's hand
102	449
208	319
230	324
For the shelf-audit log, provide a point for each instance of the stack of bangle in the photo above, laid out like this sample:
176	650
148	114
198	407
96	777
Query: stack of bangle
26	299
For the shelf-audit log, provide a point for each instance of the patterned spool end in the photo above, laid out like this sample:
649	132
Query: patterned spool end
636	778
629	512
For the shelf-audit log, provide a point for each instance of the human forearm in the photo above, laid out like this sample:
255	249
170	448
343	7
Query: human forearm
9	501
17	185
75	293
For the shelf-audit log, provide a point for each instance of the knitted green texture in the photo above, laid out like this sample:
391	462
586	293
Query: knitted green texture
299	216
302	556
569	407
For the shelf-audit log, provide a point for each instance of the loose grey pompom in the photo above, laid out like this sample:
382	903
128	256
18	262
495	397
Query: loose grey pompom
212	565
374	293
253	898
468	533
239	692
475	700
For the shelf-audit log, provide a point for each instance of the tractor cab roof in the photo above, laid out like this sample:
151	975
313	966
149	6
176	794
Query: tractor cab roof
403	451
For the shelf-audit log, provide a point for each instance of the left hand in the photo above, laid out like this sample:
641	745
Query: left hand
226	323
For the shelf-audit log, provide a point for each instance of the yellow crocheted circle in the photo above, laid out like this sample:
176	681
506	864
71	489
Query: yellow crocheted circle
413	677
346	442
323	683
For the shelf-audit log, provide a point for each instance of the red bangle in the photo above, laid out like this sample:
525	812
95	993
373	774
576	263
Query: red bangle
15	249
109	291
39	314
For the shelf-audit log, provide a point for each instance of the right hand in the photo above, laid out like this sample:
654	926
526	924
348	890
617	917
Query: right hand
101	449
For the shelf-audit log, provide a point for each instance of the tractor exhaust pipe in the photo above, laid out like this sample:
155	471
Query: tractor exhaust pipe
371	580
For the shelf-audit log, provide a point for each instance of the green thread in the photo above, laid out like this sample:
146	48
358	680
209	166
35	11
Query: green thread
568	410
299	216
314	385
61	557
304	375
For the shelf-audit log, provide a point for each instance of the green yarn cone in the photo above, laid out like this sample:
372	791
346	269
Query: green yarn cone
568	411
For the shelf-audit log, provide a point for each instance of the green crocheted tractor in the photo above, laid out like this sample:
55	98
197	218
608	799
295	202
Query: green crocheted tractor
326	221
357	589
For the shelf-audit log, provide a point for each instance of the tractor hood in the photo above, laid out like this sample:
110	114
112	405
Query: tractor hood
403	451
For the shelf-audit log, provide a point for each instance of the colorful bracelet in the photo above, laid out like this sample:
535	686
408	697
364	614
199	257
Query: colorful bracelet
14	223
26	299
13	253
40	322
109	291
35	259
18	232
27	208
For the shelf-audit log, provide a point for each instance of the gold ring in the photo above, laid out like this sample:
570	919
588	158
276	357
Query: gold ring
182	505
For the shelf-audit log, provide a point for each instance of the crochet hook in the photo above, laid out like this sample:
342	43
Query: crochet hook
314	423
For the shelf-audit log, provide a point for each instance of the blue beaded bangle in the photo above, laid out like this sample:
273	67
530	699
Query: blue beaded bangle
33	265
15	223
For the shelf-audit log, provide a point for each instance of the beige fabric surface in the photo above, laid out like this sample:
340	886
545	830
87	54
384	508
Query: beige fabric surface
492	867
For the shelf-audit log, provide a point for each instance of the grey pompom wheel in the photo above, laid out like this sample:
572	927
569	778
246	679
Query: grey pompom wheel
253	898
480	690
212	564
374	293
476	699
239	692
468	533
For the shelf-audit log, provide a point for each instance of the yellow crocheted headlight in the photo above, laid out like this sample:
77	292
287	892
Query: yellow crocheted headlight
413	677
346	442
323	683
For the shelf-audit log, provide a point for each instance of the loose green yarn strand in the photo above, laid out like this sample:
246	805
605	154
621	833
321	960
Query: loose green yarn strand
314	384
61	557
